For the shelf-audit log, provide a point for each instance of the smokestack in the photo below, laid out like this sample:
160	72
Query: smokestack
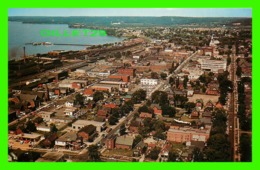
24	54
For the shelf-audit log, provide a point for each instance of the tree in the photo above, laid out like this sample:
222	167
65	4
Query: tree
189	106
79	99
173	156
138	96
122	130
154	75
197	155
171	81
245	148
168	110
239	71
154	153
53	128
98	95
163	76
185	81
30	126
180	100
143	109
228	60
137	139
112	120
218	148
93	153
160	97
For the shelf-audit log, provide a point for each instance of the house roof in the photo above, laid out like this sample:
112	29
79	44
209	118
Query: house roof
28	97
88	129
110	105
124	140
156	105
69	136
141	144
144	115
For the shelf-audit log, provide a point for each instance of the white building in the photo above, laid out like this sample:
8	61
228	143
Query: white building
213	65
69	104
79	124
150	82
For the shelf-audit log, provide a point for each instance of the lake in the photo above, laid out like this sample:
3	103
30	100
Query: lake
19	34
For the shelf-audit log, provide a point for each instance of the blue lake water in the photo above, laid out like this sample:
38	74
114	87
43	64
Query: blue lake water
19	34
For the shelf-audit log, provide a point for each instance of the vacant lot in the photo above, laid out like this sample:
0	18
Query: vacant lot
205	98
118	152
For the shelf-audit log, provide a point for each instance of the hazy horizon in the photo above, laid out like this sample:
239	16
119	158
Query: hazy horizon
132	12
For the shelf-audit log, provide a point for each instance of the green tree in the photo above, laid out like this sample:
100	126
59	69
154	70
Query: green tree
245	148
98	95
173	156
93	153
154	153
168	110
189	106
122	130
137	139
197	155
239	71
154	75
112	120
185	81
138	96
228	60
218	148
163	76
53	128
160	97
30	126
79	99
143	109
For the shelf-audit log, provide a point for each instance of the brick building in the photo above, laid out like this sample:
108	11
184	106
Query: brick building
187	134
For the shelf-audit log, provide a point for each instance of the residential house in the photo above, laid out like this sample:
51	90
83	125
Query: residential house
68	141
134	125
157	109
144	115
195	114
70	111
69	103
103	113
139	149
49	141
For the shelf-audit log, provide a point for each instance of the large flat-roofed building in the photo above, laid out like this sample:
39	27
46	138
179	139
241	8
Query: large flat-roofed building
79	124
213	65
150	82
187	134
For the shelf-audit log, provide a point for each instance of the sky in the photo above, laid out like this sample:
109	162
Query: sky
187	12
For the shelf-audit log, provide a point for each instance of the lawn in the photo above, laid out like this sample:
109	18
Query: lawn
118	152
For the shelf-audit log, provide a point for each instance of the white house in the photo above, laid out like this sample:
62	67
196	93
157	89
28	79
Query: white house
69	103
70	111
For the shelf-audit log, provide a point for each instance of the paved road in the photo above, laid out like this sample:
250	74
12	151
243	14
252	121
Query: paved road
233	121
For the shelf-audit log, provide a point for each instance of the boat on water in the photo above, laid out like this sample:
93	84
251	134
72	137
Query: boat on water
41	43
46	43
36	43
